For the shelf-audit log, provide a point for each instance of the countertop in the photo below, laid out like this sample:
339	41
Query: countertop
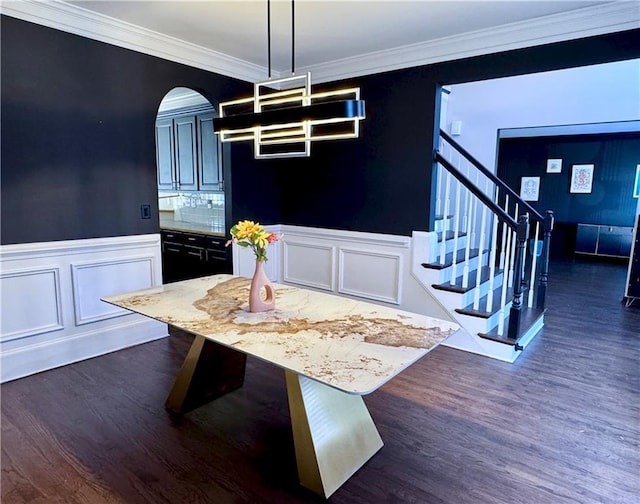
168	222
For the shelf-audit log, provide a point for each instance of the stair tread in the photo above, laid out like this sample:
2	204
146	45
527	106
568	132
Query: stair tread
448	259
457	286
442	216
497	293
529	316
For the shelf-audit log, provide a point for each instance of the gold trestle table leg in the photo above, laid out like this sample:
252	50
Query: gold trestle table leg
333	433
209	371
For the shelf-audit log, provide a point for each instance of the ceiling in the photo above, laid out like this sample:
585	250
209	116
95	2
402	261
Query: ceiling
325	30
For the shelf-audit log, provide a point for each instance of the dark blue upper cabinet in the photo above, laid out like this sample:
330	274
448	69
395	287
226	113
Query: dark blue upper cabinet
209	165
188	153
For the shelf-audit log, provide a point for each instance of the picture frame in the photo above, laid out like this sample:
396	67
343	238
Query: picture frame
554	165
530	188
581	179
636	184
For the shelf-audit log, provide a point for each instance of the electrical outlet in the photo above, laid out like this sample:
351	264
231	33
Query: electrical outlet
145	211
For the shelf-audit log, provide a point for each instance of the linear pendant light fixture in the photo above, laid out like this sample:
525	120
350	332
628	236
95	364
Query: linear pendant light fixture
283	116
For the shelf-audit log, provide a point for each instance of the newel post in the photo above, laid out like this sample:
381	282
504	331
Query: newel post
522	232
547	227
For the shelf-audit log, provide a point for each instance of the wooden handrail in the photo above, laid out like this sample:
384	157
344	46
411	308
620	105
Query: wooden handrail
533	213
495	208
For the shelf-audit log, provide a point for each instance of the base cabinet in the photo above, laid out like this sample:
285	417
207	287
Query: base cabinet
191	255
614	241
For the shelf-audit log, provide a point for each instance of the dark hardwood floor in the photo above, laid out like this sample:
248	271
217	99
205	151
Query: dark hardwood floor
561	425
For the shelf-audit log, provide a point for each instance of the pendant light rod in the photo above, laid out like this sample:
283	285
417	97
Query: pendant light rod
293	37
269	36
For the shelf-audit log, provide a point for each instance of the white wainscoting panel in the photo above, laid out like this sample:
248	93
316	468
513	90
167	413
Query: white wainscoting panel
52	314
371	266
369	274
23	289
94	280
309	264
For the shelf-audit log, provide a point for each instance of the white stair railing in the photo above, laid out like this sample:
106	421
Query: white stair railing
498	248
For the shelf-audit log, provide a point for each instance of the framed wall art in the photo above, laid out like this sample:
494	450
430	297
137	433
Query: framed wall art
581	179
530	188
554	165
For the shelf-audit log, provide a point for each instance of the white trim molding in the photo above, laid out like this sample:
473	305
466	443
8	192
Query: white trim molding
586	22
36	286
73	19
357	266
300	255
93	280
52	314
589	21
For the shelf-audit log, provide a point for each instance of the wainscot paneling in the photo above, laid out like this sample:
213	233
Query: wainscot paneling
30	287
356	278
94	280
375	267
51	309
310	264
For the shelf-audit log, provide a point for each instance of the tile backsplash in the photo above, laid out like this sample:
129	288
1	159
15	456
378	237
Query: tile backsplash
206	208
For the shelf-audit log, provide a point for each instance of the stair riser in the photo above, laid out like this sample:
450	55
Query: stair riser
454	300
485	287
444	275
450	244
500	351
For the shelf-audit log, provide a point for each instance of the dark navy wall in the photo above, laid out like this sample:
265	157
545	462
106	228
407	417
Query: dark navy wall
614	156
78	144
381	182
78	152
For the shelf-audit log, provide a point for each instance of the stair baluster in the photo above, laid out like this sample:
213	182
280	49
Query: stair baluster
513	251
492	262
483	226
505	284
534	260
445	218
504	236
456	227
547	227
516	304
467	248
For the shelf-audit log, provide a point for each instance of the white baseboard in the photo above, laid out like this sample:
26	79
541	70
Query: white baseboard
30	359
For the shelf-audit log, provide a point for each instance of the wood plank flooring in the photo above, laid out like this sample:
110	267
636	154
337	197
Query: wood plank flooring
561	425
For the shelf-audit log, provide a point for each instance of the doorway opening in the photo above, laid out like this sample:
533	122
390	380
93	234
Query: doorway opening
189	160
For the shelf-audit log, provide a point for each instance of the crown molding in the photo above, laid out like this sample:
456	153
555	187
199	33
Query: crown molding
72	19
586	22
590	21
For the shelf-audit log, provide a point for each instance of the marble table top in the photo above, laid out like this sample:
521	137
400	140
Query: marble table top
351	345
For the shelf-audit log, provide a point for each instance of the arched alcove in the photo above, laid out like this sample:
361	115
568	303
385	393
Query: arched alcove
188	159
191	197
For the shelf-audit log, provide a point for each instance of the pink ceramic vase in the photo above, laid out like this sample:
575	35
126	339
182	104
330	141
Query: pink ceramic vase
260	281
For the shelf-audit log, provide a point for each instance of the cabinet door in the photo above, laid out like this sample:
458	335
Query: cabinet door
209	162
186	154
615	241
164	154
587	239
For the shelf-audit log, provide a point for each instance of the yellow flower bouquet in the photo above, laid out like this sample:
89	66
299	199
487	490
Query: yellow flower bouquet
253	235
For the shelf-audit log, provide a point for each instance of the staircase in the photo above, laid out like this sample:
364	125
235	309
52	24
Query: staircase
486	260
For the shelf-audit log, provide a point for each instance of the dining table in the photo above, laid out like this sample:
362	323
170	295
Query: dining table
334	350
